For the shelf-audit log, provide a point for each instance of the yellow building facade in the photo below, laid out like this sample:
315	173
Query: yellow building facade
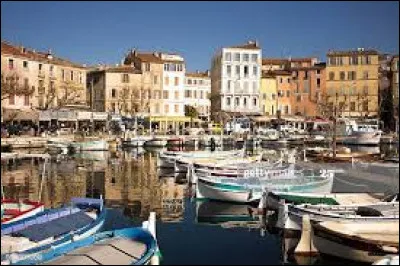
352	82
268	93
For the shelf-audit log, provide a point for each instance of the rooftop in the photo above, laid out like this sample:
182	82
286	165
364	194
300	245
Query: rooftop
359	51
48	57
252	45
198	74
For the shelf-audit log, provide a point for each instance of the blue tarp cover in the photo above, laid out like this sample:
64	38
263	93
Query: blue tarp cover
54	228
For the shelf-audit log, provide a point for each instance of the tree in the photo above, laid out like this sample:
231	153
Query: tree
69	93
10	85
191	111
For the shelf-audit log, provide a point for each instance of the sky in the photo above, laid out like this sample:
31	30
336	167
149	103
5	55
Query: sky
102	32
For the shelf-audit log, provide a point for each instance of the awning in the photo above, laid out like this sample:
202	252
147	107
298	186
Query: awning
20	115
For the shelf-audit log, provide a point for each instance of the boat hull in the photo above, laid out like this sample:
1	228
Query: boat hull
347	247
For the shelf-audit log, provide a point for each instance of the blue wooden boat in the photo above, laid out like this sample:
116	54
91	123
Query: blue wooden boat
51	228
130	246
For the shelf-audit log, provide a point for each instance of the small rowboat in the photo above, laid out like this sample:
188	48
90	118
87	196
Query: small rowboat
13	210
366	242
248	190
50	229
130	246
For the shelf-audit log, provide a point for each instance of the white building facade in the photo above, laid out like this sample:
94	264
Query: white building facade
197	93
173	78
236	78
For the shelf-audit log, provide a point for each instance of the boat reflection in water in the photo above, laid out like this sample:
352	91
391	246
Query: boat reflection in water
228	215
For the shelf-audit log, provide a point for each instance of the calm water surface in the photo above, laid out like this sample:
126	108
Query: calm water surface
188	231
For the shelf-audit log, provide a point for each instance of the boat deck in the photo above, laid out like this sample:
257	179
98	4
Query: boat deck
357	198
57	227
116	251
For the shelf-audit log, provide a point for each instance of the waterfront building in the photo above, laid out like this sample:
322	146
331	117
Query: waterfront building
163	81
352	82
395	88
235	80
283	98
268	93
308	87
198	91
116	89
38	80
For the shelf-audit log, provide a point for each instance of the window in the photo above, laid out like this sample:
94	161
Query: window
26	100
155	80
195	81
254	71
166	81
352	75
72	75
365	106
305	74
11	99
201	82
281	80
365	75
113	93
273	96
228	57
147	66
229	86
254	57
264	96
286	109
246	57
236	101
189	81
237	57
195	94
288	93
343	75
165	95
187	93
318	82
177	81
11	64
26	83
365	90
228	101
229	70
298	98
63	74
176	108
353	60
238	71
201	95
352	106
40	67
80	78
157	108
244	102
255	89
25	64
166	108
318	72
255	101
331	75
368	59
176	95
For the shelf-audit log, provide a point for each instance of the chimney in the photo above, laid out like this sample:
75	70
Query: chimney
49	54
208	72
23	50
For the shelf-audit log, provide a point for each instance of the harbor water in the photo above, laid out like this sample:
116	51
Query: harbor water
189	231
